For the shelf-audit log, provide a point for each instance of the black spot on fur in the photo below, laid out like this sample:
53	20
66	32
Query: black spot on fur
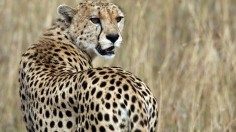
69	124
47	114
132	108
111	88
68	113
100	117
111	127
135	118
67	53
84	85
115	119
106	117
99	94
102	129
93	91
52	123
103	84
134	99
60	124
125	87
95	81
107	105
118	83
108	96
93	128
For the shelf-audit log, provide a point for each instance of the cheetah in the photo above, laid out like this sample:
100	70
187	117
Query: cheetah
61	91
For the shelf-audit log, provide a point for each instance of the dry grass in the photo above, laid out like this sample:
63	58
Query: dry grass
184	50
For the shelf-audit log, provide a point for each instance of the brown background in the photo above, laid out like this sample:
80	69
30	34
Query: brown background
183	49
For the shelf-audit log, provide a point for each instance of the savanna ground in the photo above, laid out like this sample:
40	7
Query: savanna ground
184	50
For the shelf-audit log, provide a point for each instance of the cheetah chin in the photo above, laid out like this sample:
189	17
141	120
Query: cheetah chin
107	53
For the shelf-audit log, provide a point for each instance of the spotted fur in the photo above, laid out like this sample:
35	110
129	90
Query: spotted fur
61	91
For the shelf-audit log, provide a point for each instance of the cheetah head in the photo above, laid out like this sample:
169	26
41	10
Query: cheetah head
95	27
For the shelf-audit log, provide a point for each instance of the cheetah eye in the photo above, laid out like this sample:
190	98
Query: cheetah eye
118	19
95	20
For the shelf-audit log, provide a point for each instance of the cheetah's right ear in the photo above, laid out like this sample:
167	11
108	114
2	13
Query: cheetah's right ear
66	12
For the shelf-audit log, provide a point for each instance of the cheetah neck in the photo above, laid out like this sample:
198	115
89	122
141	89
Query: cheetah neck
58	32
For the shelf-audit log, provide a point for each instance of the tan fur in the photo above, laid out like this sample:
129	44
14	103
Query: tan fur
61	91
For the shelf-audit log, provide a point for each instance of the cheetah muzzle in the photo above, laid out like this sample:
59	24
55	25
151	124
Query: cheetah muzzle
109	51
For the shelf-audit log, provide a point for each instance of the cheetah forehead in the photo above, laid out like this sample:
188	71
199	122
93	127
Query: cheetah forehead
100	6
96	4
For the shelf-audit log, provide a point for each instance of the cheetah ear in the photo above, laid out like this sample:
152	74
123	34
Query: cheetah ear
66	12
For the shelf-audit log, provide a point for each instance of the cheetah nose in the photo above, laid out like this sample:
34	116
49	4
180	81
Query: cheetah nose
112	37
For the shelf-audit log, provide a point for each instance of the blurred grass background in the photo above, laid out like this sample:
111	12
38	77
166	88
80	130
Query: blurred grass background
184	50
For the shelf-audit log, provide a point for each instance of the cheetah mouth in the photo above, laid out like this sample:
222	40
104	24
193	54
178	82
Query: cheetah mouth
109	51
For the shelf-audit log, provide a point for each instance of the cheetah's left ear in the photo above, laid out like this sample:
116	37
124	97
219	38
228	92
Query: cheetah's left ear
67	12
